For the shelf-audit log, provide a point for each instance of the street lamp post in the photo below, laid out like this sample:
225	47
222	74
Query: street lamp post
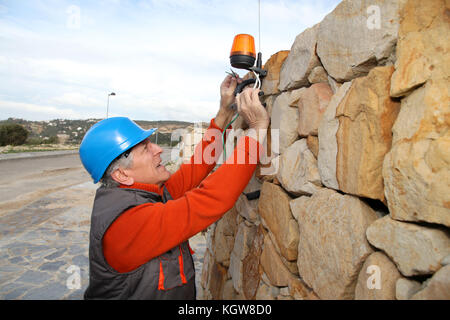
107	104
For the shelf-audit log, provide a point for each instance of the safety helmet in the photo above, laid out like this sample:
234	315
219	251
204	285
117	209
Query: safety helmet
108	139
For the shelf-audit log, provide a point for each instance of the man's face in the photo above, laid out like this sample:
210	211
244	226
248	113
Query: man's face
147	166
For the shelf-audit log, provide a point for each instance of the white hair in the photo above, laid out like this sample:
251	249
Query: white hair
120	162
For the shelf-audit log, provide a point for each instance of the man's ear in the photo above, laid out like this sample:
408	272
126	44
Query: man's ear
121	177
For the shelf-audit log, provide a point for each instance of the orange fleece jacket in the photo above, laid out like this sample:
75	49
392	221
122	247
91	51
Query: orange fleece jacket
151	229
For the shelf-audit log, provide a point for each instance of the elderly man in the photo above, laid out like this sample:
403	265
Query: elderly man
143	216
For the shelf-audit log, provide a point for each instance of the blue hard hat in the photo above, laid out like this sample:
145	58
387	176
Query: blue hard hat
108	139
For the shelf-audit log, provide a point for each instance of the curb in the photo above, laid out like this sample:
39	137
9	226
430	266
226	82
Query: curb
34	155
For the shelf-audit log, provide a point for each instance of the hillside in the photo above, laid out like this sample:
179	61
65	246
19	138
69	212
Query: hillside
73	131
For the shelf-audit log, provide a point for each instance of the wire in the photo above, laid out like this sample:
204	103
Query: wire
259	24
256	85
223	135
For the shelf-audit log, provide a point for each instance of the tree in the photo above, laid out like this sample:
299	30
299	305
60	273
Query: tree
13	134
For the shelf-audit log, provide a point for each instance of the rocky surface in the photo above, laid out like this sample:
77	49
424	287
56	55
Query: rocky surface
298	172
366	115
328	128
311	105
355	202
285	120
377	279
332	243
301	60
416	250
357	36
422	47
275	211
273	67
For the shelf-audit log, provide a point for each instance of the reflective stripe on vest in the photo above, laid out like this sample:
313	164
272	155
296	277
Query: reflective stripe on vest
169	276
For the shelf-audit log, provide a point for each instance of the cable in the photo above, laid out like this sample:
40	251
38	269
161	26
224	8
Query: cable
223	135
256	85
259	24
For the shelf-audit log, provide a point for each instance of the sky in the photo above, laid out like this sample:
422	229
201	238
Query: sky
165	60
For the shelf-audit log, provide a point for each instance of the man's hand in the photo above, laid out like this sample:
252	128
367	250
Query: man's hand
227	91
251	109
227	98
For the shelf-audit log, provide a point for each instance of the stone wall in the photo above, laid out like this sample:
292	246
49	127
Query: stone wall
356	204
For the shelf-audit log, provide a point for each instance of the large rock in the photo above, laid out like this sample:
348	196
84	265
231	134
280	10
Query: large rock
416	171
377	278
273	67
266	291
242	244
274	208
318	75
332	243
298	205
311	105
295	96
290	265
222	239
298	171
265	171
251	266
313	145
406	288
213	277
355	135
285	120
423	46
300	61
216	280
415	249
326	159
366	115
300	291
357	36
273	266
437	288
248	209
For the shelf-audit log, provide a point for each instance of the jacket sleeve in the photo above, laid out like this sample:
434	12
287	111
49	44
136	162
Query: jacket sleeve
147	231
202	162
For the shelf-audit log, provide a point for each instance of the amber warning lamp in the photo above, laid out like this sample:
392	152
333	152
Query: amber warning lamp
242	55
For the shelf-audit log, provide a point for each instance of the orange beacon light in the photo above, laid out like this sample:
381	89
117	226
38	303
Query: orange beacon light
242	55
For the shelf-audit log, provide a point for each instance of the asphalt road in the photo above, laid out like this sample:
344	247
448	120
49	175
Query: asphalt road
45	207
25	180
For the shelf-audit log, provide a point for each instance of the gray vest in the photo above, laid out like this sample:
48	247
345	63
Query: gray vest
159	278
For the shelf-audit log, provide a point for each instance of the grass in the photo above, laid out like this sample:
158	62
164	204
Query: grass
36	148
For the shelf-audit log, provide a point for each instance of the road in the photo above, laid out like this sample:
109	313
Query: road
45	207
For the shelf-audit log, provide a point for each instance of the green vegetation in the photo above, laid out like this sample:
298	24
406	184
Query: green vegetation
12	134
39	141
71	132
41	149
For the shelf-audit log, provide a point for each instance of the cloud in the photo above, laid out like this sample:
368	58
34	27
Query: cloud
164	59
35	112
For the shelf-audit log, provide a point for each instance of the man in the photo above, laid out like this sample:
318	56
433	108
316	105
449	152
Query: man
143	216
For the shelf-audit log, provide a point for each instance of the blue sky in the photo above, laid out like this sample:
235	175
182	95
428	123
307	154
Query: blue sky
165	60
